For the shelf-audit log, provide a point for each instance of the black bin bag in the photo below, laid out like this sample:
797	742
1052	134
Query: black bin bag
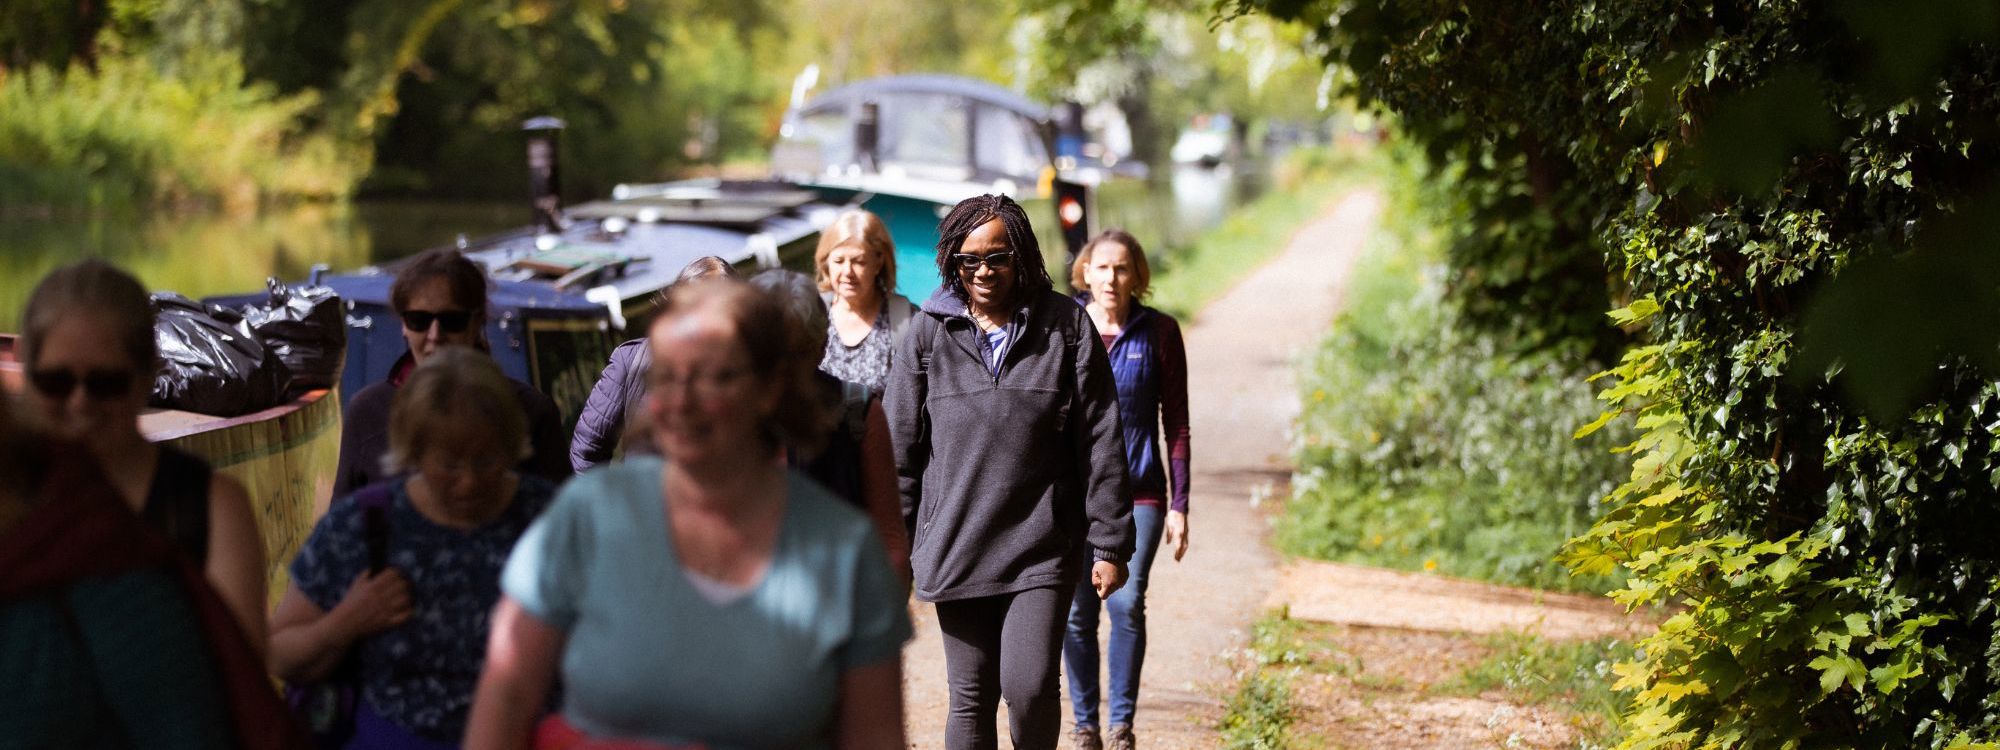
209	366
305	328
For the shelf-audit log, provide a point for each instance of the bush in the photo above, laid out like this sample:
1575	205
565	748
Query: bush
1427	445
125	135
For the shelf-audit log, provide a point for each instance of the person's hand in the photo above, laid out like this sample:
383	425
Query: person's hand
374	602
1177	533
1106	576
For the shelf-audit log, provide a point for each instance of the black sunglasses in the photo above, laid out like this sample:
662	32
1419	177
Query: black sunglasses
968	262
448	321
102	385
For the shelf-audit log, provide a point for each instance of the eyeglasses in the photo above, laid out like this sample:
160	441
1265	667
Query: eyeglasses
968	263
102	385
443	462
705	385
448	321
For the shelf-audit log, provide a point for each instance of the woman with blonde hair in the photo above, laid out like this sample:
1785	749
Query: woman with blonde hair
856	269
402	577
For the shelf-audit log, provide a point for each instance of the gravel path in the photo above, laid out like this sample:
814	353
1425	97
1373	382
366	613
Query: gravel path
1241	352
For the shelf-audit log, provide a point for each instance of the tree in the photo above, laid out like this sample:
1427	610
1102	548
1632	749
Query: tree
1788	202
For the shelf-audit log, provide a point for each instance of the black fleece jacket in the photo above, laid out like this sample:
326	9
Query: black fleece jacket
1012	481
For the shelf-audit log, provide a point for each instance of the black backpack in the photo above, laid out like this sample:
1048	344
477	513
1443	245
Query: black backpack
838	464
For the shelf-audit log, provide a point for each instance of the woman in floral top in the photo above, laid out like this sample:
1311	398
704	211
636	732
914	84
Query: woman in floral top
418	625
856	263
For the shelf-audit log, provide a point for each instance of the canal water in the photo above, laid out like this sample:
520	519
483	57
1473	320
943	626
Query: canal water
205	255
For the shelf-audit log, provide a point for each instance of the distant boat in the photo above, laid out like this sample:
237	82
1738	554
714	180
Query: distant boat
569	286
910	147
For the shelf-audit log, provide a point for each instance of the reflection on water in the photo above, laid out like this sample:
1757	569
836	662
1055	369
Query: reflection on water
1168	214
204	255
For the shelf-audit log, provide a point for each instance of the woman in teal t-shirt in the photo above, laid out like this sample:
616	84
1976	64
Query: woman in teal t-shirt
713	599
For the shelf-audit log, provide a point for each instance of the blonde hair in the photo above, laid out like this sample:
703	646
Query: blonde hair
1142	272
857	227
455	384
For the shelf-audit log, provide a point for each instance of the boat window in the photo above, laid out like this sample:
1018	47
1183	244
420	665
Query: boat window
924	129
827	136
1008	145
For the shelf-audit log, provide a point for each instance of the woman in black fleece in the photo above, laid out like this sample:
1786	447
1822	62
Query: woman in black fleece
1004	419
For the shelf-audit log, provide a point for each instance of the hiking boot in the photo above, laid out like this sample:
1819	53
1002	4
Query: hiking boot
1085	738
1120	738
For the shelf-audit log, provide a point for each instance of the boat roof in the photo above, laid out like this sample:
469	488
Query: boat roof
372	286
844	97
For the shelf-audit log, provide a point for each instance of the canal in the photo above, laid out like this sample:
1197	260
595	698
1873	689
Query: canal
201	255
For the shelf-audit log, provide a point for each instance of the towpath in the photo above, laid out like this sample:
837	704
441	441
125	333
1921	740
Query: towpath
1242	350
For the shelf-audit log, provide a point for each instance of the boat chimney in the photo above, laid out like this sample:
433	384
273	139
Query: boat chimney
867	136
544	172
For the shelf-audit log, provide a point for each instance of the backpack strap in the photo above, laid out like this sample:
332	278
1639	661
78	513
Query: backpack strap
854	401
899	318
177	501
375	501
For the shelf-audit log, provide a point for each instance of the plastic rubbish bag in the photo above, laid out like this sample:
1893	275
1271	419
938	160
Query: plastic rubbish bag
305	329
209	366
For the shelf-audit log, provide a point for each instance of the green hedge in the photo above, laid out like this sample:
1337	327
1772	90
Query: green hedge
1427	444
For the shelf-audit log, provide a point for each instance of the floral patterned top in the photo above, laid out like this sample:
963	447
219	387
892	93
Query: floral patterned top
866	363
421	674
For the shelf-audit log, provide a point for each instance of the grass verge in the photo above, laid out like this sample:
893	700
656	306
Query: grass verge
1304	186
1424	445
1260	713
1573	677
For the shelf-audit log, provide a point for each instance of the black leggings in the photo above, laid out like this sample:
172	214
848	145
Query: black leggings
1006	645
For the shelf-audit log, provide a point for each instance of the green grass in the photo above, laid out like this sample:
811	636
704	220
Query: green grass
1426	446
1305	185
1574	677
1260	713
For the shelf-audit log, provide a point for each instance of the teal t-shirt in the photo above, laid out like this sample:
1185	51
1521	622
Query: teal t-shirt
647	657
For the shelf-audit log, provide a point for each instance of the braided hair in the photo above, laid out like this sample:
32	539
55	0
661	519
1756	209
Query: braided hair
1030	276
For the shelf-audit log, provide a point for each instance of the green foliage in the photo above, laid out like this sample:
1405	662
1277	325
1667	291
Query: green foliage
1260	713
124	135
1795	199
1575	676
1430	445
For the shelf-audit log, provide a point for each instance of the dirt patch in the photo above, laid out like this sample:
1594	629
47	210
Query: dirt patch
1365	687
1357	595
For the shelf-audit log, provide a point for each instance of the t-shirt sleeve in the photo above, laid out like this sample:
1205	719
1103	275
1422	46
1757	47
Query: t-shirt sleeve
332	556
545	572
881	617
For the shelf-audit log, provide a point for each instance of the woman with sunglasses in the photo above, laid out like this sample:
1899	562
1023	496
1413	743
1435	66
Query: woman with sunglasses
440	297
87	344
403	578
109	636
1149	362
1004	420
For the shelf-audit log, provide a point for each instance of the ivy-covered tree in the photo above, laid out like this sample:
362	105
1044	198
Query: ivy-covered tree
1790	204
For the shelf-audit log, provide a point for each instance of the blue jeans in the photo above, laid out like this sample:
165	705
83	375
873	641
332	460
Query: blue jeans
1128	629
